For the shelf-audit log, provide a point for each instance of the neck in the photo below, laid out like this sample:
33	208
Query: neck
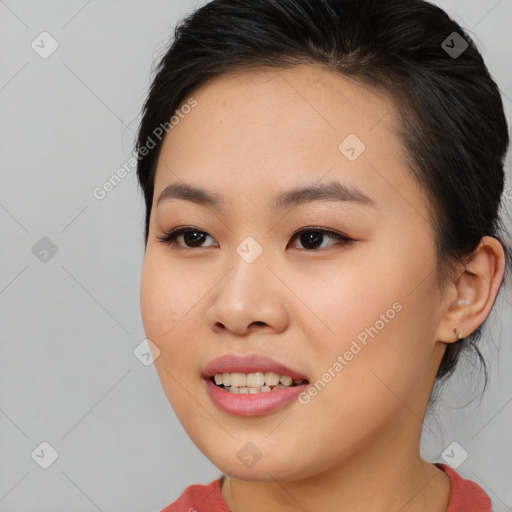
379	480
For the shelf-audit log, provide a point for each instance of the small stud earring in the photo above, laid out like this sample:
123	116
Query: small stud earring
457	333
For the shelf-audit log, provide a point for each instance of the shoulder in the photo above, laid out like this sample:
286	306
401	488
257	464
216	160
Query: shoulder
200	498
465	495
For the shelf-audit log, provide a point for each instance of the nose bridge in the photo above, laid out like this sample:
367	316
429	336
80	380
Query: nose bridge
250	250
249	293
249	274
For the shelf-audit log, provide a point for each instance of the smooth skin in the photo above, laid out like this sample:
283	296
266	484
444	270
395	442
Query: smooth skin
354	446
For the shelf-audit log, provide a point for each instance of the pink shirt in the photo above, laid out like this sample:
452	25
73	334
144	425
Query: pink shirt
465	496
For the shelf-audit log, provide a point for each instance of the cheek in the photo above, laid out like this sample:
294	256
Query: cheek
163	301
151	300
378	319
363	382
164	294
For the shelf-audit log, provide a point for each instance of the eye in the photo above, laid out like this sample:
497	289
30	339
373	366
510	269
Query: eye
311	237
190	235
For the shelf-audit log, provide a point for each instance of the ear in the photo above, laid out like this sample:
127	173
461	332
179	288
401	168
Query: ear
470	298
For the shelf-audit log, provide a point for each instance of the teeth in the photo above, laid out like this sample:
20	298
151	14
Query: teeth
238	379
271	379
253	391
254	381
284	379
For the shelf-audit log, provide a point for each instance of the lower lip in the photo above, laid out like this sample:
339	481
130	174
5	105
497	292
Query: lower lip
257	404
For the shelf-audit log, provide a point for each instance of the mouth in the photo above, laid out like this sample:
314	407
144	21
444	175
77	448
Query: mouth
251	374
254	383
253	394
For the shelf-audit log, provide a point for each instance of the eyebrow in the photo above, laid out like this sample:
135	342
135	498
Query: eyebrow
330	191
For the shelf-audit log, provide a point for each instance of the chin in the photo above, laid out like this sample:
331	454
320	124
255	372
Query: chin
282	467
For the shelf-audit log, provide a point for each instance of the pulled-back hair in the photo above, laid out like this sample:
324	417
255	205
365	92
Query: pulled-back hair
452	122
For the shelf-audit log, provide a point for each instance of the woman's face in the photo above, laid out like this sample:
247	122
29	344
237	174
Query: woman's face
360	317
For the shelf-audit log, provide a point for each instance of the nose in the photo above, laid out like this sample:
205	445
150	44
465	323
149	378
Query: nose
249	299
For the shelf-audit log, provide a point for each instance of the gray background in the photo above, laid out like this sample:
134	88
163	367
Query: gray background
70	324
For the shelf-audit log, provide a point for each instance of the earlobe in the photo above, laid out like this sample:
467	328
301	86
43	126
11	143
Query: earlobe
458	334
475	292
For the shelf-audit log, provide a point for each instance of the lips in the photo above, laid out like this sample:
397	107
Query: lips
251	363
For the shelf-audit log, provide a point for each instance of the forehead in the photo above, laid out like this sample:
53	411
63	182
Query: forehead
267	129
320	92
302	96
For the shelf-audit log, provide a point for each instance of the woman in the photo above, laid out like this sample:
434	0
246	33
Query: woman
322	242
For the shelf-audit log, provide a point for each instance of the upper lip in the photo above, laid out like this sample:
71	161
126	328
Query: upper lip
250	363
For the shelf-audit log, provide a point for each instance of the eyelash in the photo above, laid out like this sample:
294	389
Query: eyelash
169	237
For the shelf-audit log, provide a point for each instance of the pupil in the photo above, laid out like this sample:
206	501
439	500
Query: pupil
192	237
311	238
